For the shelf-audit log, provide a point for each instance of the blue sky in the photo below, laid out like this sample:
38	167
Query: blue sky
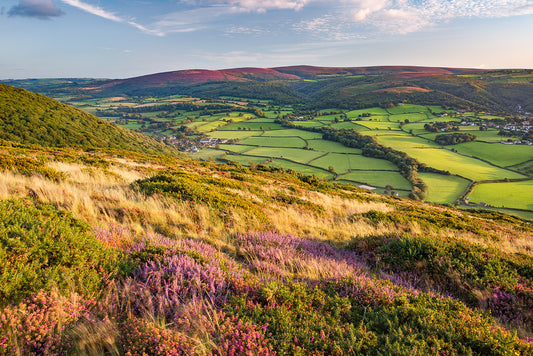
119	38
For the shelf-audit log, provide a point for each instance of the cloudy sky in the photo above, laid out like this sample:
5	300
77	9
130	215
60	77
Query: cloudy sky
124	38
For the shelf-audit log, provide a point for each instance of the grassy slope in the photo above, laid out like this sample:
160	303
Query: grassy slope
31	118
200	269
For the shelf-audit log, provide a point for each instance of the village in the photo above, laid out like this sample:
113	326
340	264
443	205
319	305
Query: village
194	145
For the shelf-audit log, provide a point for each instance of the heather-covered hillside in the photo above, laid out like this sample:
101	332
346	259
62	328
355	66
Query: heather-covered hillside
137	255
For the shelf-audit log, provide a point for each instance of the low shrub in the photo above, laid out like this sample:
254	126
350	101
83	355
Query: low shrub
42	247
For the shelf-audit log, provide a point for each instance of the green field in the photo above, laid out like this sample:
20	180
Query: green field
517	195
293	154
340	161
293	142
443	189
294	132
234	134
245	160
302	168
378	179
236	148
253	126
407	108
411	117
331	146
497	153
446	160
262	140
380	125
373	111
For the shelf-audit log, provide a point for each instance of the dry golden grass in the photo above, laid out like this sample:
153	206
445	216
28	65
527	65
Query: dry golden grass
104	197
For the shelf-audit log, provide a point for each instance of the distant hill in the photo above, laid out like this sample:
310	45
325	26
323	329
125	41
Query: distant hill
30	118
322	87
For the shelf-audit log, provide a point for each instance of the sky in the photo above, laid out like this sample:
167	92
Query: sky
126	38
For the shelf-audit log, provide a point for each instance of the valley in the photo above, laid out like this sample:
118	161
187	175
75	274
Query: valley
251	132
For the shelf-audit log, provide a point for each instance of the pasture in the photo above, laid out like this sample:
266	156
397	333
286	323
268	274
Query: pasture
302	168
293	154
517	195
378	179
292	142
427	152
331	146
407	108
443	189
497	153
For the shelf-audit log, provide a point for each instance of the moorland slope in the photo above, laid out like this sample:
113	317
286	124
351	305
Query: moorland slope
142	254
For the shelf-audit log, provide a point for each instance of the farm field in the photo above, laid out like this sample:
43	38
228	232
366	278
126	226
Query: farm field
331	146
517	195
260	139
302	168
497	153
443	189
290	142
293	154
378	179
446	160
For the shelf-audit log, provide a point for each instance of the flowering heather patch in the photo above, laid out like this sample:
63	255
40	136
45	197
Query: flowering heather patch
275	254
185	271
115	236
38	323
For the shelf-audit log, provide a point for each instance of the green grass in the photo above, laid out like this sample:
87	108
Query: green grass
305	169
436	109
443	159
492	136
443	189
293	154
347	125
310	123
341	162
380	125
263	120
244	159
294	132
293	142
236	148
407	108
517	195
372	111
378	179
497	153
331	146
233	134
369	163
411	117
208	154
253	126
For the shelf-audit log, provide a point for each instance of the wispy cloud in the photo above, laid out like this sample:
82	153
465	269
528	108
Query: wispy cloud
95	10
98	11
41	9
264	5
330	27
404	16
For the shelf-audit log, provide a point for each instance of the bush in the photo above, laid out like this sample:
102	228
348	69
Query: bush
42	247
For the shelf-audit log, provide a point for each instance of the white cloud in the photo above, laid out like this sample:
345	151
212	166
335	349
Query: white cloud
334	28
403	16
95	10
264	5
